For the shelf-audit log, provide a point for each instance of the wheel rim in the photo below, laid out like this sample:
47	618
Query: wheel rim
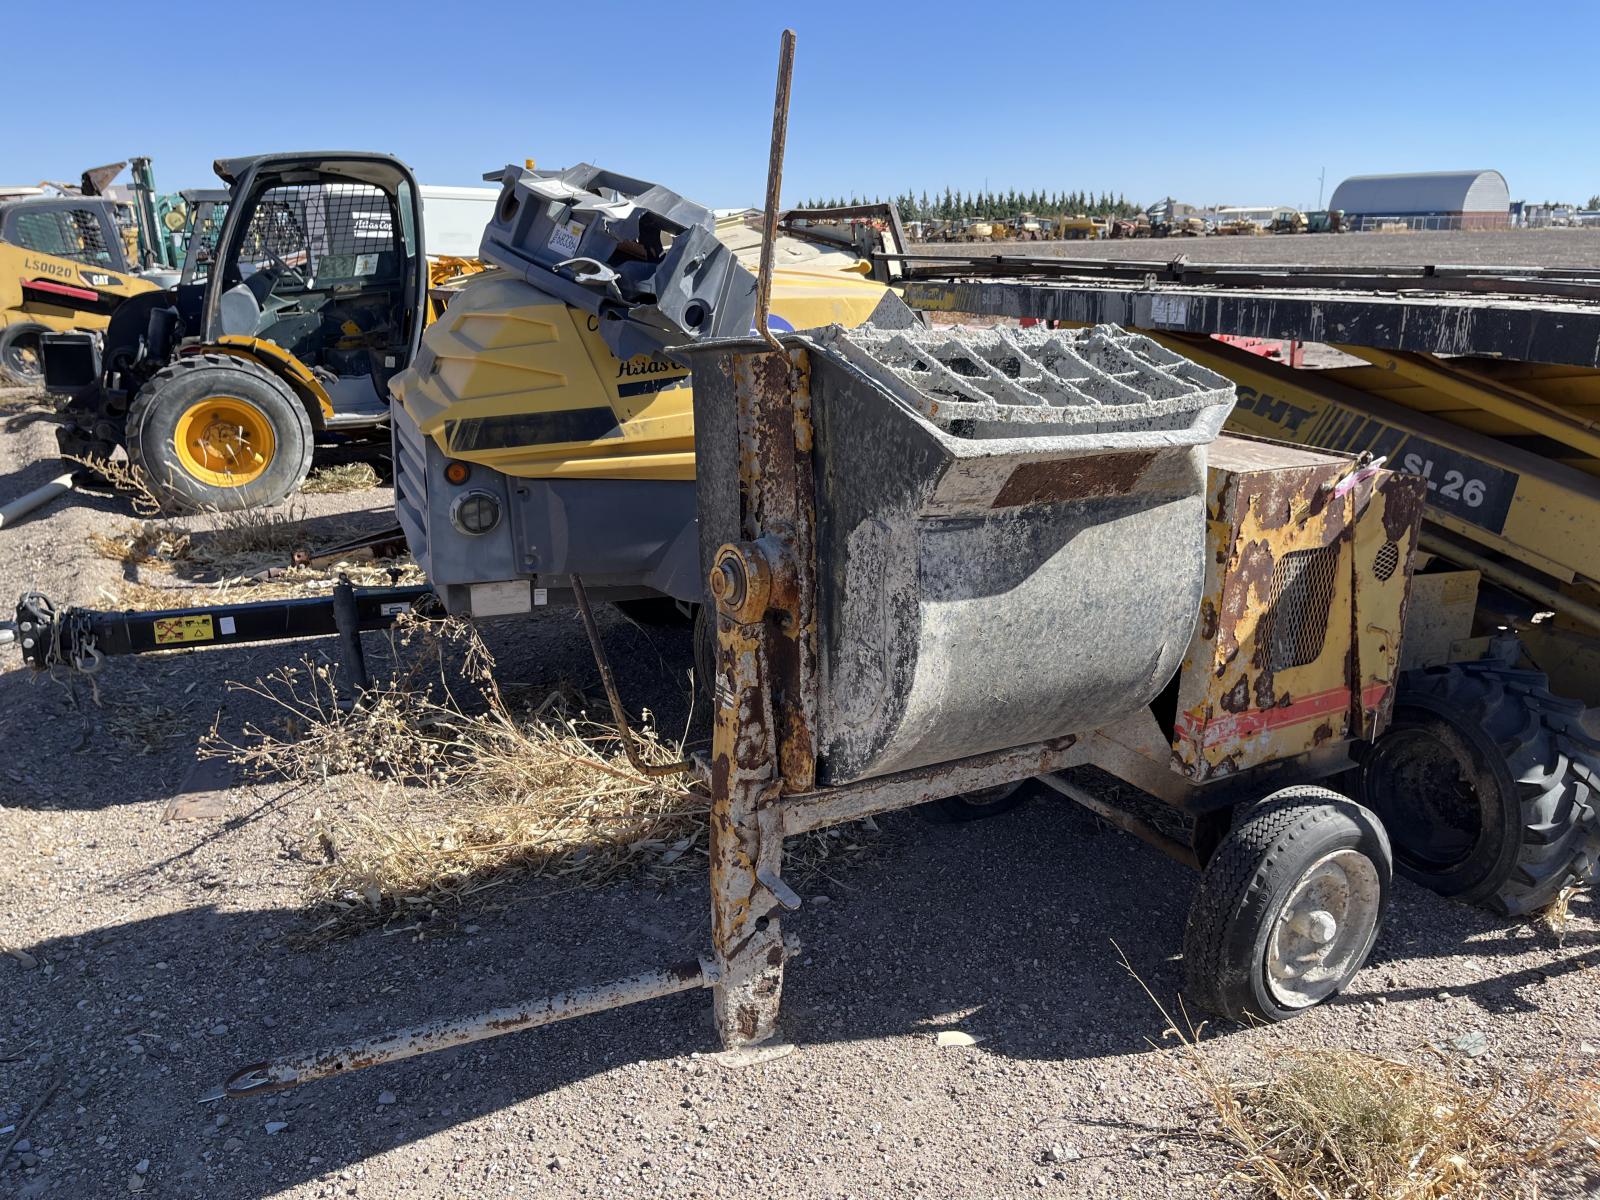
22	359
224	441
1324	929
1422	788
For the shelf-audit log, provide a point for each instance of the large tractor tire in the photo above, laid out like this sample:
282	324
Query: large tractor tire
21	354
1289	906
215	432
1488	785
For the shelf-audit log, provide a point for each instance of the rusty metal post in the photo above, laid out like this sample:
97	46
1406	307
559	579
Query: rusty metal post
769	224
764	589
764	744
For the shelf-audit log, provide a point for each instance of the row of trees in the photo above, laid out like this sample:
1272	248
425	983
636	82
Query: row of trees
988	205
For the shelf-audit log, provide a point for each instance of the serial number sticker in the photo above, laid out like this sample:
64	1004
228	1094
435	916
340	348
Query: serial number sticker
170	631
564	238
227	626
1169	310
393	608
541	596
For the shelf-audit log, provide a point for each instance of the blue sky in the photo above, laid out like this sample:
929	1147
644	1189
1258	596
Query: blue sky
1211	102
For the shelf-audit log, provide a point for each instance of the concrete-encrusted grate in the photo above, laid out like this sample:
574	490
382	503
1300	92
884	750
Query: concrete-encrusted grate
1101	379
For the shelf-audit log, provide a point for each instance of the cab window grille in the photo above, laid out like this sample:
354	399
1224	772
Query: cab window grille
66	233
1296	624
328	232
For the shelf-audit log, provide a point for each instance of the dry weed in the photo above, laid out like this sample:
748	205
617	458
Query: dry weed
126	478
347	477
460	789
237	556
1558	913
15	401
1330	1122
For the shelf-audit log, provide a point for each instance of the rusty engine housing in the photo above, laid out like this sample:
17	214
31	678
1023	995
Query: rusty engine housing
1307	580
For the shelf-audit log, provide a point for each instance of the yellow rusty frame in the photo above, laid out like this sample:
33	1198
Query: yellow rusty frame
1552	523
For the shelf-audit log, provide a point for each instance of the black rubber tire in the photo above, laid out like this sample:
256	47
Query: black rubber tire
1521	819
21	359
153	418
982	804
656	611
1251	874
704	637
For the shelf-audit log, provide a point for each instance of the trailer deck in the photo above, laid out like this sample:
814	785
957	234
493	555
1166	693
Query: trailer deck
1531	314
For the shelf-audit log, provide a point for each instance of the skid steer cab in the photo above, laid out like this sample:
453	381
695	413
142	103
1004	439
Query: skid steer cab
311	298
63	265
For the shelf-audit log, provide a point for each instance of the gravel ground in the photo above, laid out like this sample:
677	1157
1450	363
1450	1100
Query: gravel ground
1496	248
148	962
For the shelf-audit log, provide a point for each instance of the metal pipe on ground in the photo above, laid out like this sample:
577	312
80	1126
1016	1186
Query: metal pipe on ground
11	513
443	1034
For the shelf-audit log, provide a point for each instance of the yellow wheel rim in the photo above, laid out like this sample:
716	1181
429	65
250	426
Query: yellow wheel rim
224	441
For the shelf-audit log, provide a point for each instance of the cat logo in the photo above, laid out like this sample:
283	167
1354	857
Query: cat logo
100	279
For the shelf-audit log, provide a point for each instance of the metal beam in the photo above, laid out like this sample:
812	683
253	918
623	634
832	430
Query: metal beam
1533	330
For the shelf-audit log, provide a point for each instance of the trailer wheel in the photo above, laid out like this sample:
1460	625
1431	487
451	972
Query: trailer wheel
1488	786
22	353
216	432
1289	906
704	637
982	804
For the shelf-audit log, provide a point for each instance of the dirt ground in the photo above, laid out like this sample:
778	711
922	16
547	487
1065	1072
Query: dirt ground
147	961
1489	248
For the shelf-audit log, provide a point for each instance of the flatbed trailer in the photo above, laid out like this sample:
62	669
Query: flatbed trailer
1484	380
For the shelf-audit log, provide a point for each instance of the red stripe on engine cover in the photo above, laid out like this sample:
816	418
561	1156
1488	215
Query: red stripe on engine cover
1232	727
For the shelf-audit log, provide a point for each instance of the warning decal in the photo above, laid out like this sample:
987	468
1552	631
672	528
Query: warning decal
170	631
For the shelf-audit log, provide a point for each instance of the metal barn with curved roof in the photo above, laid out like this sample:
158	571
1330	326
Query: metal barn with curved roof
1426	200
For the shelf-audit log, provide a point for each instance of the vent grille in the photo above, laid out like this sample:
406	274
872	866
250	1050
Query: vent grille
1386	562
1296	625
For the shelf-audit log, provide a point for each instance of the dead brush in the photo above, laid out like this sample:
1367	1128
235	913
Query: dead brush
1330	1122
346	477
123	477
459	789
17	401
237	552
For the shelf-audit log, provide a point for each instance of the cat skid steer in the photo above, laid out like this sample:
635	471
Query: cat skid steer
313	299
63	265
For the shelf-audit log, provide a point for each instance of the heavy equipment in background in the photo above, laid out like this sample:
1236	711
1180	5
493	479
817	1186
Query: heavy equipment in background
312	300
1031	228
1074	228
941	562
1289	222
545	430
64	265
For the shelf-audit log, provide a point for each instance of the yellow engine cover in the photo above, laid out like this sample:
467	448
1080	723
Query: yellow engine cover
513	379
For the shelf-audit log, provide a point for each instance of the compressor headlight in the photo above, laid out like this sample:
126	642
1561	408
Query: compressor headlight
476	512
